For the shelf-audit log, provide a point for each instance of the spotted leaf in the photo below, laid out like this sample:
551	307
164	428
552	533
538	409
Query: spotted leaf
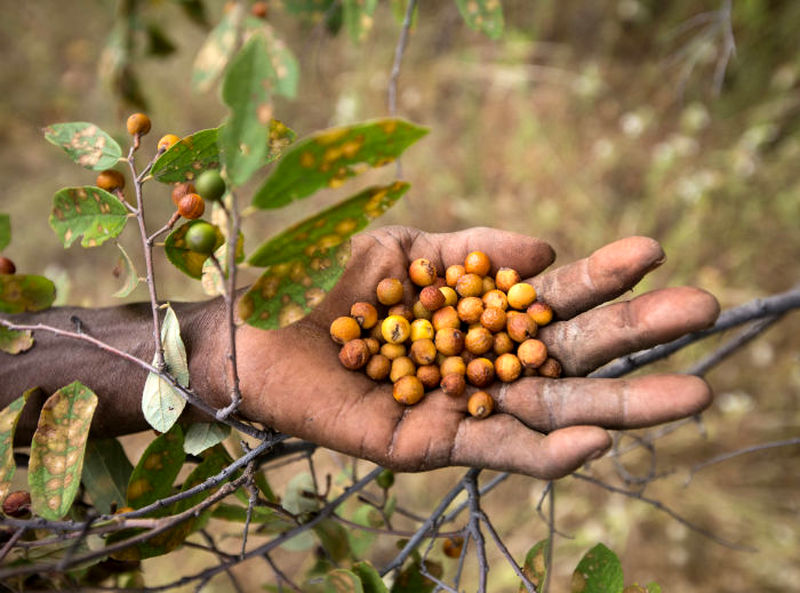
154	474
213	463
187	261
85	144
288	291
599	571
284	65
216	51
13	341
5	231
340	580
483	15
9	417
88	211
329	157
535	565
200	151
358	18
21	292
58	448
329	228
106	472
247	90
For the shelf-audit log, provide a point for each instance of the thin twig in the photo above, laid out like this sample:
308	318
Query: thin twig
222	555
394	75
504	551
470	482
281	575
488	487
748	334
743	451
551	535
665	509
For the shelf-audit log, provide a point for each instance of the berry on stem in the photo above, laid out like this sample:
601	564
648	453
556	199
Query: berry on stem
191	206
181	189
110	180
210	185
7	266
166	142
201	237
138	124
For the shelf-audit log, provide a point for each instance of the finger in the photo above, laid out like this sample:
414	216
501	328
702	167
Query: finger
529	256
600	335
546	404
501	442
604	275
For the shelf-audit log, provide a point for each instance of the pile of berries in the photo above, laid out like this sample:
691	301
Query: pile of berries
465	328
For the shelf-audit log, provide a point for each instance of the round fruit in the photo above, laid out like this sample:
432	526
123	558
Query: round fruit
138	124
343	329
506	278
389	291
201	237
532	353
480	372
395	329
210	185
453	546
478	263
402	366
110	180
507	367
422	272
385	479
167	141
408	390
191	206
365	314
259	10
354	354
480	404
453	385
17	504
521	295
378	367
180	190
7	266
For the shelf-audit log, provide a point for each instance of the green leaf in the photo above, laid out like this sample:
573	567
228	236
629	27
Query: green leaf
5	231
269	520
284	65
247	91
9	417
125	269
188	158
340	580
361	540
599	571
330	227
483	15
370	578
215	461
288	291
203	435
358	18
13	341
200	151
535	565
216	51
653	587
299	497
88	211
329	157
162	404
85	144
157	469
20	293
187	261
333	537
58	448
410	579
106	473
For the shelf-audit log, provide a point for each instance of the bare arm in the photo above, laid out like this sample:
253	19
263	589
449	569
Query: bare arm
291	378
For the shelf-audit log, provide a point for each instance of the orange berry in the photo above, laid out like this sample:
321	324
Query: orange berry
389	291
408	390
365	314
478	263
540	312
480	404
422	272
138	123
191	206
110	180
343	329
506	278
167	141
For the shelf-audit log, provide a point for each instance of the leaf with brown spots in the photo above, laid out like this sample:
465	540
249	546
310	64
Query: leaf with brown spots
340	580
9	417
106	473
88	211
13	341
57	450
284	64
154	474
247	90
200	151
22	292
85	143
288	291
535	565
358	18
329	157
125	269
216	51
483	15
330	227
599	571
187	261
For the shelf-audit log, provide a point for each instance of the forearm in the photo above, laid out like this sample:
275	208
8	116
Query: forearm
57	360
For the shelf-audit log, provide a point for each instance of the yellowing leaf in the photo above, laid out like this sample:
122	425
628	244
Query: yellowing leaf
13	341
85	143
9	417
58	448
88	211
20	293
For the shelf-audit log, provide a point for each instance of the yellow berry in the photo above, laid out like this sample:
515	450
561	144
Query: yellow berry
167	141
138	123
478	263
395	329
480	404
343	329
520	295
408	390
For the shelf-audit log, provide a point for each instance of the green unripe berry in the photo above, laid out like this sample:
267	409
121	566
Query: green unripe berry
201	237
210	185
385	479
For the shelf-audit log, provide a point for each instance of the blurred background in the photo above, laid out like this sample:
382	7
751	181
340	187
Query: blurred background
587	121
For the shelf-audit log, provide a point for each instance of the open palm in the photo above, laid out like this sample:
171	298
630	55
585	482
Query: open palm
292	380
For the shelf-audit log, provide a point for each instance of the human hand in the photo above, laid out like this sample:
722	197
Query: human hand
291	379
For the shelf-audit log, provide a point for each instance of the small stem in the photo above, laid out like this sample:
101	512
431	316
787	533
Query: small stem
475	515
147	246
